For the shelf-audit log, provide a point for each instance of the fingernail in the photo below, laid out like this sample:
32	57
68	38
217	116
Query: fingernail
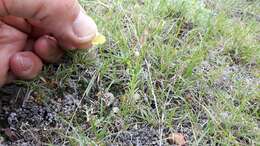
84	27
24	62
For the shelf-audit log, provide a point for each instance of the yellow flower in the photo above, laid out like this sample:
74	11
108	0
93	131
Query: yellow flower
99	39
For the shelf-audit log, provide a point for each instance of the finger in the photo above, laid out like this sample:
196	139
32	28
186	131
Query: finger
11	42
25	65
23	25
18	23
66	20
47	48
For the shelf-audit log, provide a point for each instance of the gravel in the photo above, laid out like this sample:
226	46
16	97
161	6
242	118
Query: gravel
137	135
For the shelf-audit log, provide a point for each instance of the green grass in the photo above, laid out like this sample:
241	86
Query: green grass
194	64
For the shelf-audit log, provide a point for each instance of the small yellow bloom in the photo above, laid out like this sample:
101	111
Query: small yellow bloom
99	39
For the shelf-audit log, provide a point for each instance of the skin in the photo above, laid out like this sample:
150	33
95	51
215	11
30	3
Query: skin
36	31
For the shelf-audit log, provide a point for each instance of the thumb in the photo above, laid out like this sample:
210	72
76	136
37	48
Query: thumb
65	19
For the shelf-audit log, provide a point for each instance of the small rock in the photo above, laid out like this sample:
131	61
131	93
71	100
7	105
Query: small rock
135	127
177	138
108	99
136	97
225	115
137	53
115	110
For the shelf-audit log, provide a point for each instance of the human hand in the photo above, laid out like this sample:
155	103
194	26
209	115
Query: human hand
37	31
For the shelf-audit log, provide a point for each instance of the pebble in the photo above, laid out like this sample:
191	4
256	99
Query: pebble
136	97
115	110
